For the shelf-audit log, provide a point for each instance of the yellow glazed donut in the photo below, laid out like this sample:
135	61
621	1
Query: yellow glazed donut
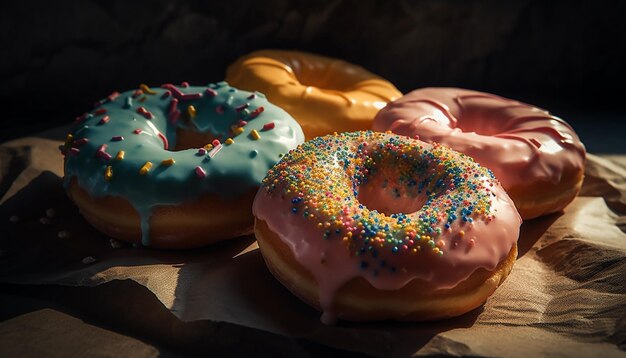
323	94
373	226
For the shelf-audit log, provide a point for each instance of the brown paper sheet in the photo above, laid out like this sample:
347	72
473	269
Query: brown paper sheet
566	295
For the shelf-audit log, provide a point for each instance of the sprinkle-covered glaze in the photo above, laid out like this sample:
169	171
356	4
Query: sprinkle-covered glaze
522	144
386	208
124	147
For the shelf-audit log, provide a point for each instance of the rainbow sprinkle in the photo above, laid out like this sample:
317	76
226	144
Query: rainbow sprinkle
255	135
145	168
145	89
322	179
108	173
144	112
200	172
191	111
168	162
104	120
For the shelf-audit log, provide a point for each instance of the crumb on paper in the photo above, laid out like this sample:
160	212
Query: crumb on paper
14	218
88	260
63	234
44	220
50	212
114	243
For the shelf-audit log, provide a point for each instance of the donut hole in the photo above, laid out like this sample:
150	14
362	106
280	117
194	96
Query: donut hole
327	79
388	200
480	124
387	189
400	183
484	122
188	139
323	83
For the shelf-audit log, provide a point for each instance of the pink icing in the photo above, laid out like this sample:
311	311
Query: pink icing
468	246
520	143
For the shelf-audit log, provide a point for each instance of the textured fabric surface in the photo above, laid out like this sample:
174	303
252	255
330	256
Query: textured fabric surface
566	295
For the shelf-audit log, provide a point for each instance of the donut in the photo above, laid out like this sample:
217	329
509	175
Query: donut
175	166
375	226
323	94
536	156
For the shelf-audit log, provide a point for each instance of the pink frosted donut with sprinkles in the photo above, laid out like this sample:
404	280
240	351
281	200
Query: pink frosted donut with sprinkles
175	166
376	226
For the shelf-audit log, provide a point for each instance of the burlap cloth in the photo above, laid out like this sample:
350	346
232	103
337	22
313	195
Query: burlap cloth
566	295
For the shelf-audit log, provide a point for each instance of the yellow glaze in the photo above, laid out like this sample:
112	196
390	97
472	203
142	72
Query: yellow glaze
324	95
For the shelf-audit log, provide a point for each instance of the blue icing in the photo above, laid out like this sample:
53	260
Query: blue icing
237	168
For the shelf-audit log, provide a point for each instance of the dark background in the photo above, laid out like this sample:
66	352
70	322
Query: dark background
58	58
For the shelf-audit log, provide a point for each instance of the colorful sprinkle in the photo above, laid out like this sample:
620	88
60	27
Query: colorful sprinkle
191	111
145	168
201	173
81	141
117	138
145	89
128	103
256	112
173	106
215	150
144	112
255	135
108	173
168	162
113	96
268	126
69	139
102	154
180	95
229	141
120	155
164	140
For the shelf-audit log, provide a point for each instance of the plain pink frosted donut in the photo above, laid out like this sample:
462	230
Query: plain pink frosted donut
537	157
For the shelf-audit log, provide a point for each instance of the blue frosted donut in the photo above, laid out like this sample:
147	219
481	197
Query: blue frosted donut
175	166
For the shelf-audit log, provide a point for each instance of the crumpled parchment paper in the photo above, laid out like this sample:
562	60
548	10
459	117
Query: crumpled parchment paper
566	295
